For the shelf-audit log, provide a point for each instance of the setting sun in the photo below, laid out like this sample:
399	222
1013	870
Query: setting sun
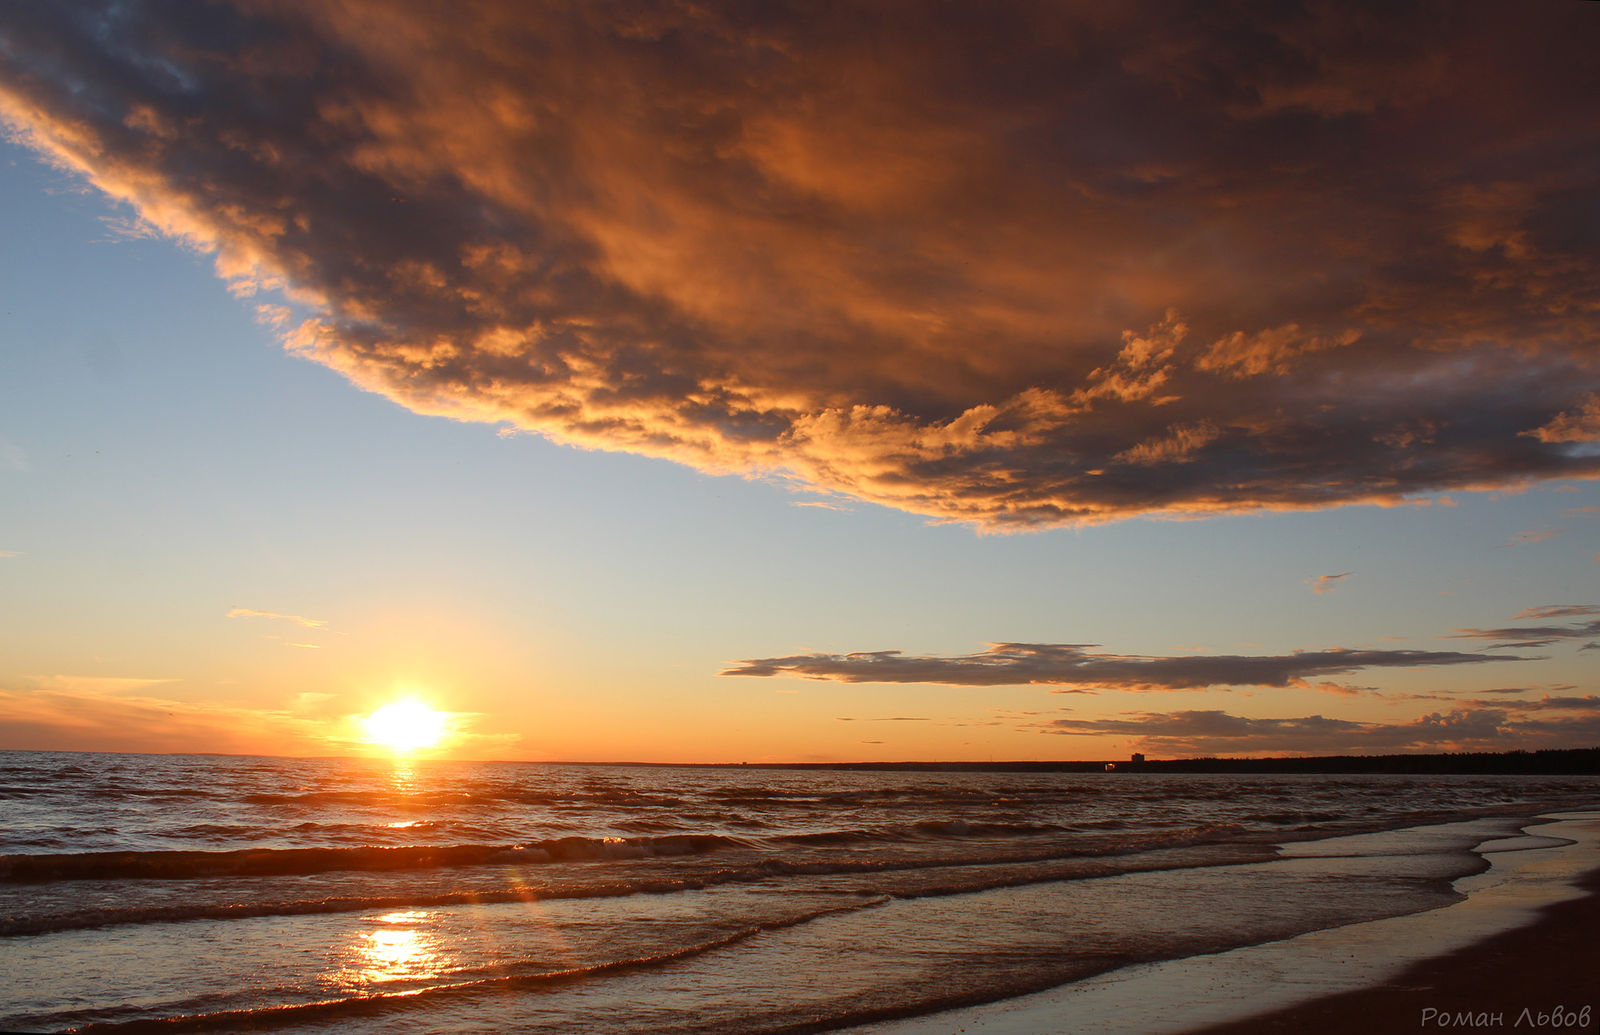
406	725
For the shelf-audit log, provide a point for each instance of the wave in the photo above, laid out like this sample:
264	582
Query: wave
926	829
179	863
523	976
901	875
1288	818
278	862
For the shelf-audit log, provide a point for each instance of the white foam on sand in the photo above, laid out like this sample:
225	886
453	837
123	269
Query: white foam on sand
1526	873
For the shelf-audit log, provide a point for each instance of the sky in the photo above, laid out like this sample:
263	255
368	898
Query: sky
727	382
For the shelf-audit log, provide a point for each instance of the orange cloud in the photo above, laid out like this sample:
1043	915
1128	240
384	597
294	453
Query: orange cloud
300	620
103	715
1327	583
76	713
1580	425
1010	264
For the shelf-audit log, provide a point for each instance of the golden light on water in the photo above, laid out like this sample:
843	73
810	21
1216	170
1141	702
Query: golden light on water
406	726
402	948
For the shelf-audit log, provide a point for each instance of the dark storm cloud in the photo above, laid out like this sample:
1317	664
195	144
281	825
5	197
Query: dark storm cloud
1074	666
1011	263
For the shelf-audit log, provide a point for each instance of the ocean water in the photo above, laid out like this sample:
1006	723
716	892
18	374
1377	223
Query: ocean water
175	893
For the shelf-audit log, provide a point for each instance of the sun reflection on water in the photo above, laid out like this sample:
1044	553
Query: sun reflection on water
401	949
403	778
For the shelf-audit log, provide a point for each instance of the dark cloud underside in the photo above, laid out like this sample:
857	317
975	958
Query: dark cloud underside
1074	665
1463	729
1536	635
1008	263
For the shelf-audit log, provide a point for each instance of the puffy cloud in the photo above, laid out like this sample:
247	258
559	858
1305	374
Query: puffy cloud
1074	666
1013	263
1266	352
1580	425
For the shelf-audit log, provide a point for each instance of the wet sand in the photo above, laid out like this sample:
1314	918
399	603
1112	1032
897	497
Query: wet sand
1526	936
1554	962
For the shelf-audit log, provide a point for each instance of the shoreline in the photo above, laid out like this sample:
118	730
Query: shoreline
1545	762
1532	914
1508	981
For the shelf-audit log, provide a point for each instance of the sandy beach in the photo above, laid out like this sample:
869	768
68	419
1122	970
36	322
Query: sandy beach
1524	942
1522	975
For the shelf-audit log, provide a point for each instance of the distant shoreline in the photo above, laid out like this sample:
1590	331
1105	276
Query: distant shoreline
1563	762
1552	762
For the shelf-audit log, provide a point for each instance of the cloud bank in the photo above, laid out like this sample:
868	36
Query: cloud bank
1521	636
1016	264
1074	666
1461	729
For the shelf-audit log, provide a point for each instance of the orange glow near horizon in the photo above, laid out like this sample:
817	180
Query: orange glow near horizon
406	726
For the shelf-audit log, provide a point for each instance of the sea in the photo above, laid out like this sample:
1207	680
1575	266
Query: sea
217	893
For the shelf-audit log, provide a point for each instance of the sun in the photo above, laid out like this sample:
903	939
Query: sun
406	725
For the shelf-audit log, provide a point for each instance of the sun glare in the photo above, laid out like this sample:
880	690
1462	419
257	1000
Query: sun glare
405	726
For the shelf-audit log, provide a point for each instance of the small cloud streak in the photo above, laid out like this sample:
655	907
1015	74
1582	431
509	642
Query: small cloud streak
12	456
886	718
95	684
1074	667
1010	264
1534	535
303	622
1327	583
1533	614
1525	636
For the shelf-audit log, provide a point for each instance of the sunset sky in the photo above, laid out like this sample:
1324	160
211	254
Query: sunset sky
725	382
